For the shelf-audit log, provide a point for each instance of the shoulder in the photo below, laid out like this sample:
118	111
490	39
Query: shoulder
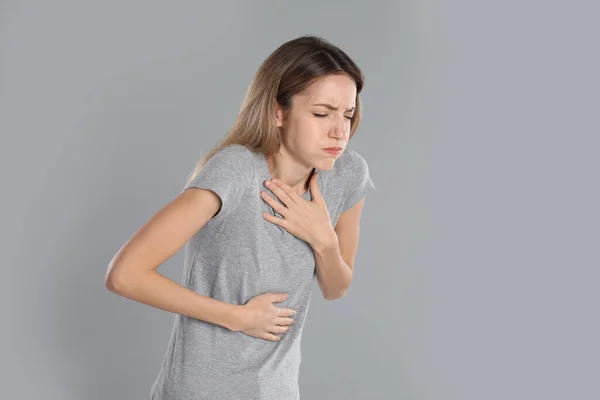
231	164
355	177
228	173
234	157
235	150
358	162
349	171
350	164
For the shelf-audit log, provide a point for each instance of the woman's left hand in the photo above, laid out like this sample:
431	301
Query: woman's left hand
306	219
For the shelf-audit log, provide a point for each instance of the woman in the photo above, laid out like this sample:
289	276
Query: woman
253	248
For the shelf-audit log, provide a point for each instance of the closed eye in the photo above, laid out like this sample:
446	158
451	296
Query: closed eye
324	115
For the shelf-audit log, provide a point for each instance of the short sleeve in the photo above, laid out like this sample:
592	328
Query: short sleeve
360	183
228	173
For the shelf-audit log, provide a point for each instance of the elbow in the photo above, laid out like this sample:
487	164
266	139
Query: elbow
112	283
334	296
116	282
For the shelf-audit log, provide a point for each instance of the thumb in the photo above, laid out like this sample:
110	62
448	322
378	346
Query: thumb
282	296
314	186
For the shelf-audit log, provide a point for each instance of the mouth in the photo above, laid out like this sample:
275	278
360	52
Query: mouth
333	150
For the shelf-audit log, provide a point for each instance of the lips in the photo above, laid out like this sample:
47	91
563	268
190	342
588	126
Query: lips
335	151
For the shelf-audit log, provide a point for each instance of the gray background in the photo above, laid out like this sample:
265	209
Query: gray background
477	272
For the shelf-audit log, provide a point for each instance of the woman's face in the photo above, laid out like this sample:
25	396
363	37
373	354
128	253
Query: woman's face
310	125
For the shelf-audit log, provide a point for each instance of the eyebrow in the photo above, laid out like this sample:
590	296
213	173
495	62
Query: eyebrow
332	107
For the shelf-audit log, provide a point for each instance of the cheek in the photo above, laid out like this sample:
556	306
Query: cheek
317	127
307	131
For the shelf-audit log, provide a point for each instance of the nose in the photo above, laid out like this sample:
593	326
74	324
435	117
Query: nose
339	131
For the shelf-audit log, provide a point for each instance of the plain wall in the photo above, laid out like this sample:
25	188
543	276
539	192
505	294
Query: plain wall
477	271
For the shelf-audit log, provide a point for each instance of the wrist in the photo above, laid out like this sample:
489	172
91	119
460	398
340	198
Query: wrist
328	242
234	317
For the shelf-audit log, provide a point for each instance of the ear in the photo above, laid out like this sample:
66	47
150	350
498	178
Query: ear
279	116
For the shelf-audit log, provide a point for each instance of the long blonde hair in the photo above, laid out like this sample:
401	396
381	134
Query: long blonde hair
289	70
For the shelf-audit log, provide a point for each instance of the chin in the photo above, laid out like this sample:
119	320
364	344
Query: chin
326	164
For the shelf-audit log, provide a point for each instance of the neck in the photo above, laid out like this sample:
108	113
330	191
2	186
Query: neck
287	170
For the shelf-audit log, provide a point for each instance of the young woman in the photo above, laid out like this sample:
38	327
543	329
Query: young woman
273	208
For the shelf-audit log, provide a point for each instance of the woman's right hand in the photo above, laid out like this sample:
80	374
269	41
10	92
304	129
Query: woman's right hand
261	319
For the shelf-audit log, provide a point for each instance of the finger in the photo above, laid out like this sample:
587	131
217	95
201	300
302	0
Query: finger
284	321
271	337
285	312
274	219
279	297
279	329
282	191
281	209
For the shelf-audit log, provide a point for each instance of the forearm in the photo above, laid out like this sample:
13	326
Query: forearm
158	291
334	275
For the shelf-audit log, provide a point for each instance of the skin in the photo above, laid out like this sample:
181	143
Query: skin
304	135
306	129
132	272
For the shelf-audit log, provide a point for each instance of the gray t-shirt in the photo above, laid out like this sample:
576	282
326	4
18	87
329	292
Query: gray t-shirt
238	255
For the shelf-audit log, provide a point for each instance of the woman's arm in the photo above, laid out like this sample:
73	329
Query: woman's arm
132	271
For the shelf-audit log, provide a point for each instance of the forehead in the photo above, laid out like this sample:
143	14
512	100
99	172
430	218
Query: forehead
337	90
